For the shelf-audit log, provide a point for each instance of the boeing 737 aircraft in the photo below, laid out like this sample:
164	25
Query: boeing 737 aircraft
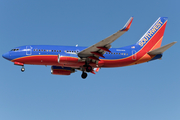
67	59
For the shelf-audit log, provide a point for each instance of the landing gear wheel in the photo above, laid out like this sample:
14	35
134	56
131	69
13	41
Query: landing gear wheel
84	75
22	69
88	68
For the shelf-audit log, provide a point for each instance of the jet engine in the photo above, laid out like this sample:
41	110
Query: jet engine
58	70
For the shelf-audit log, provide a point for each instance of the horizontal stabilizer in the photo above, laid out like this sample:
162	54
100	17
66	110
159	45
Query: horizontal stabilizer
161	49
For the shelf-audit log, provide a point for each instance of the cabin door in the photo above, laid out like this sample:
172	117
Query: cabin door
134	55
28	50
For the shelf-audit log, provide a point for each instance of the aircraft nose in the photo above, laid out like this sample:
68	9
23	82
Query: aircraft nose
6	56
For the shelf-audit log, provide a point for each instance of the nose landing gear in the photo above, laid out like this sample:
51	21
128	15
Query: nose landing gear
22	69
20	64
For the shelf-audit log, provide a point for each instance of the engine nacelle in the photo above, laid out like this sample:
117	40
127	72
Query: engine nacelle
58	70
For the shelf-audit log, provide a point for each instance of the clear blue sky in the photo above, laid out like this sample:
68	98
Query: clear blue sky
149	91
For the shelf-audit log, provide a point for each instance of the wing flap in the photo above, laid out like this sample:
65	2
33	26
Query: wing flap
161	49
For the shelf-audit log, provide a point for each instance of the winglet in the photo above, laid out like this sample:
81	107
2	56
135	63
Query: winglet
128	24
161	49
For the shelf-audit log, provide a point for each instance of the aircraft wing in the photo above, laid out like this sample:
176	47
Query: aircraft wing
97	50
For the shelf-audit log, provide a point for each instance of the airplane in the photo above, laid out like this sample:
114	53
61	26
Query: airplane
65	60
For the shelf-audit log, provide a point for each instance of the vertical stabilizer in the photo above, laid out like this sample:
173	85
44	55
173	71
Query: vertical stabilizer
153	37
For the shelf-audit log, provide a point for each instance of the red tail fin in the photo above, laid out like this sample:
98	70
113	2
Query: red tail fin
153	37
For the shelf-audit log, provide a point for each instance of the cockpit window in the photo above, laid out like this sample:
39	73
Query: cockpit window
14	49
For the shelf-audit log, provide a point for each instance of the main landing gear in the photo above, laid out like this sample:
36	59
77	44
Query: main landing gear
84	75
88	68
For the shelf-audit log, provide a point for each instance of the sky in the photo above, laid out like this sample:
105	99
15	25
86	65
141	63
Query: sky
148	91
